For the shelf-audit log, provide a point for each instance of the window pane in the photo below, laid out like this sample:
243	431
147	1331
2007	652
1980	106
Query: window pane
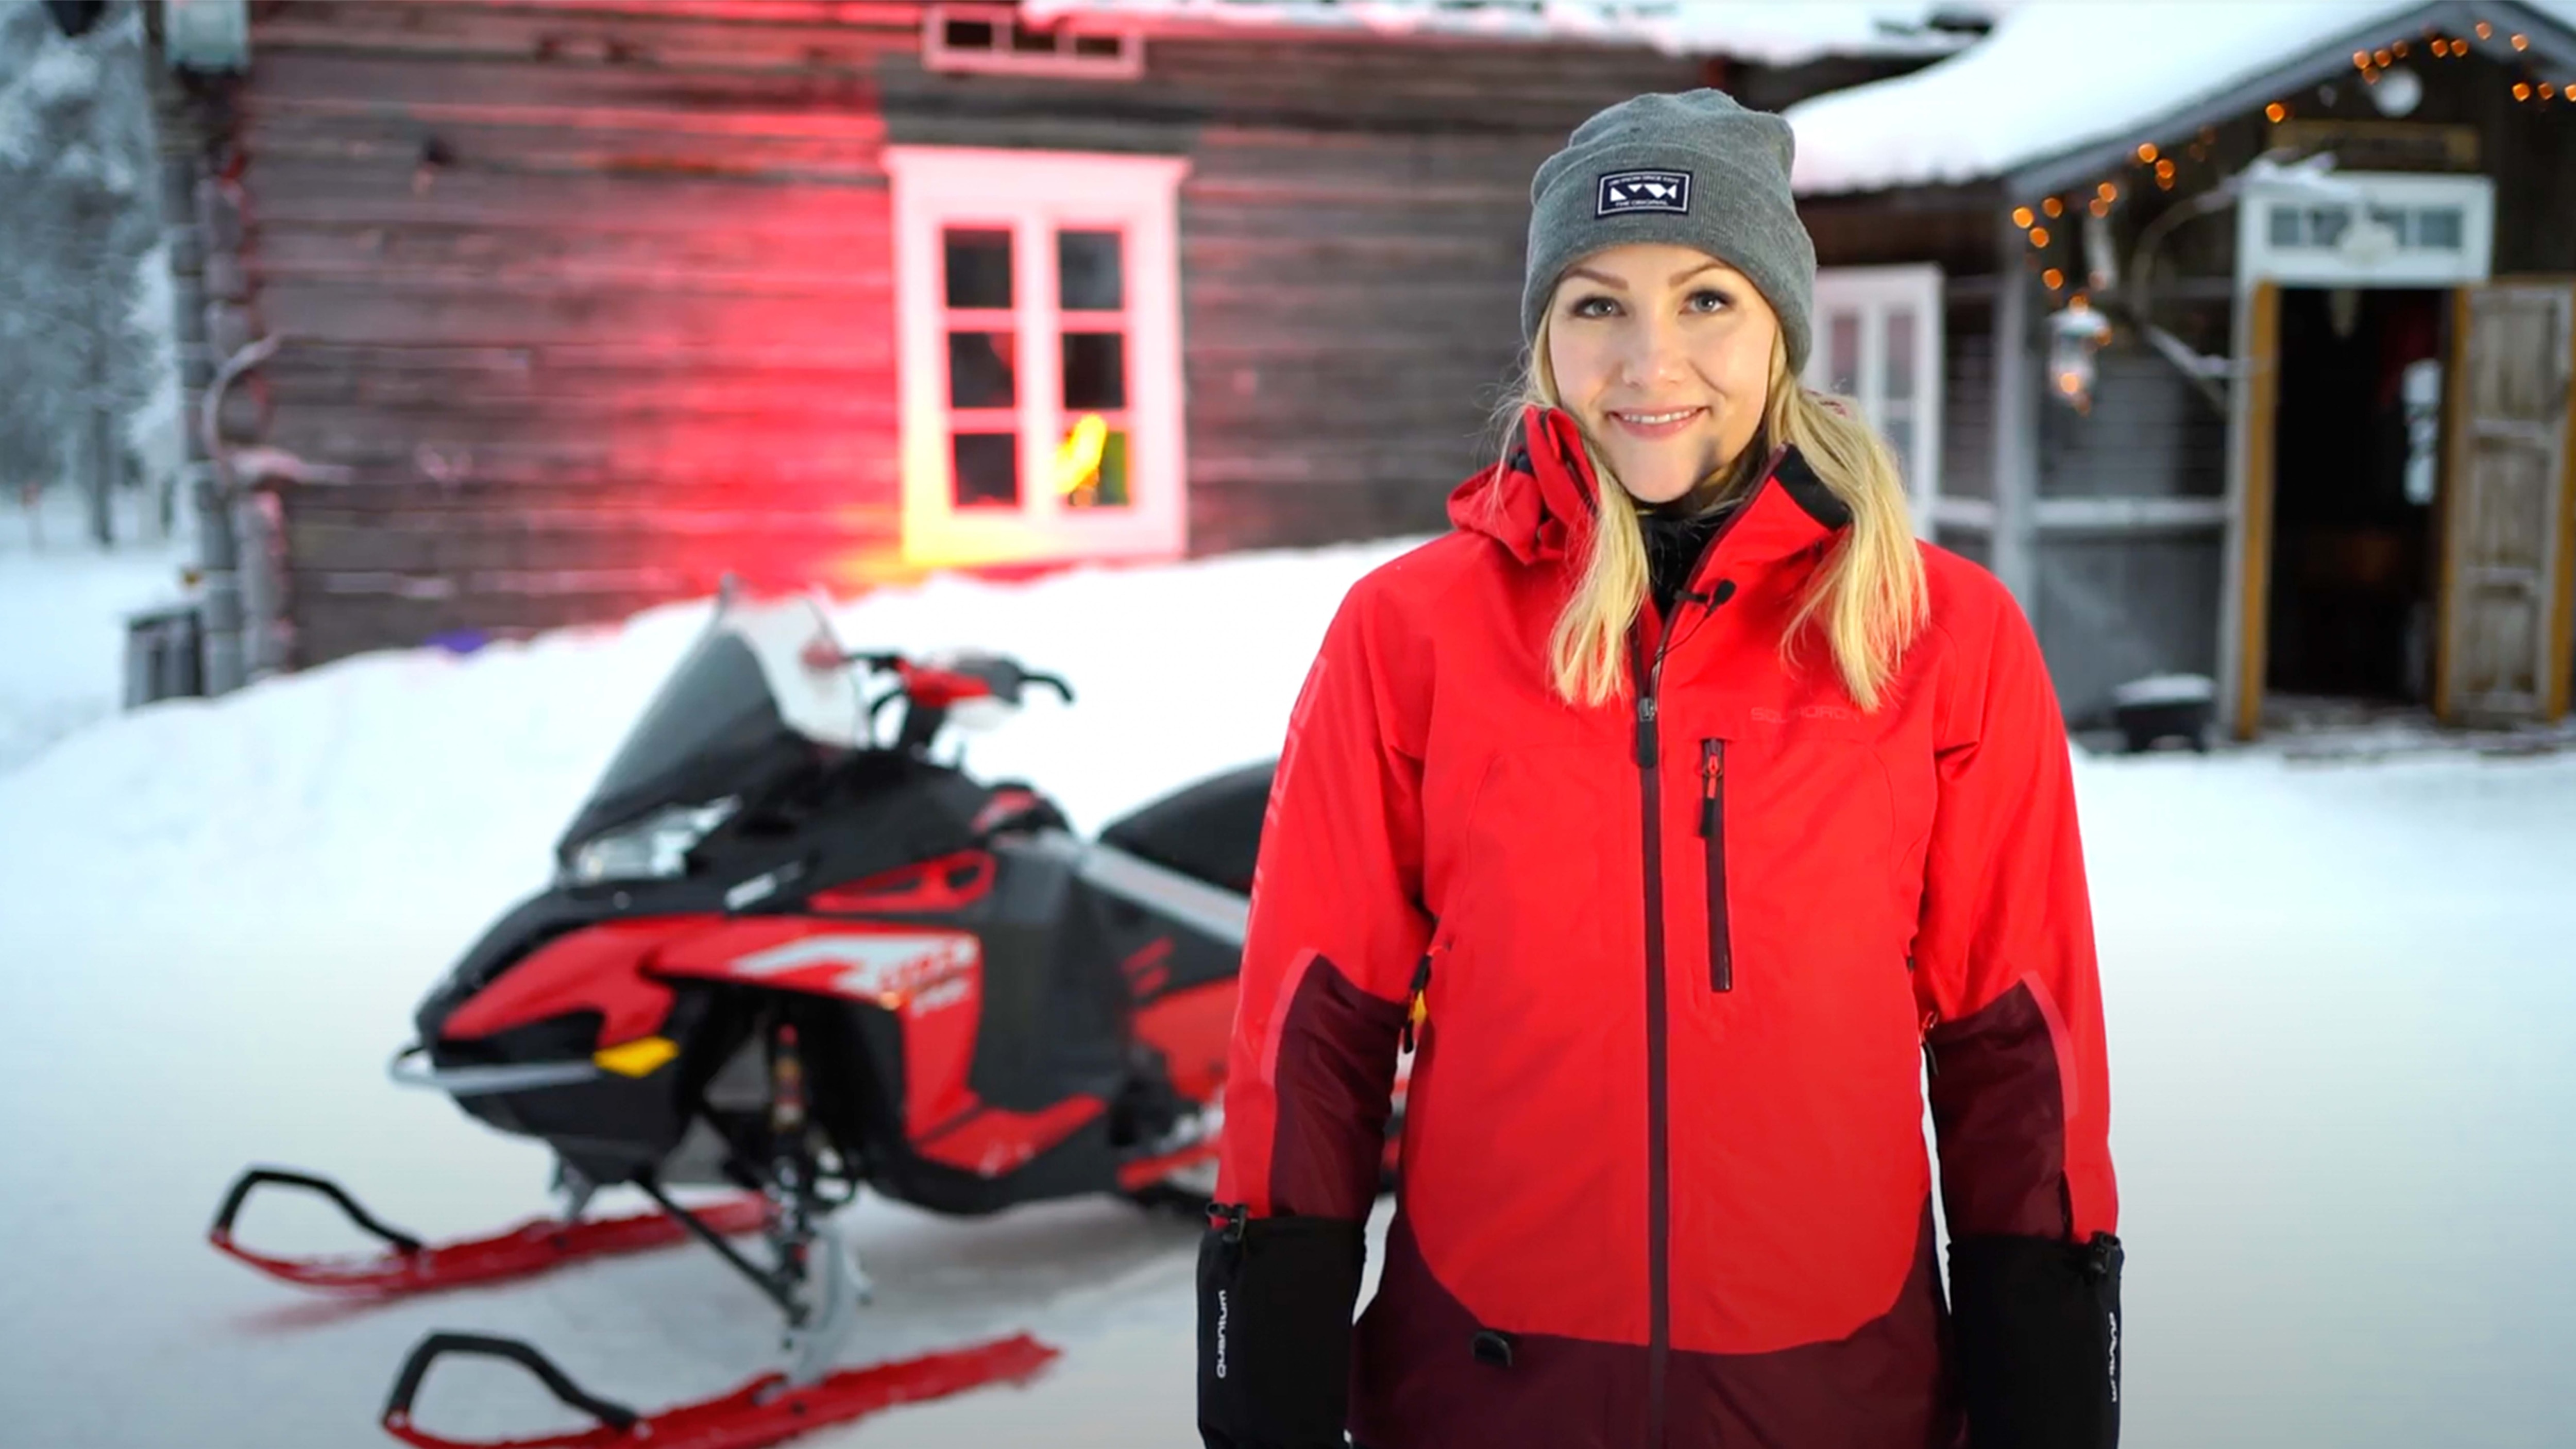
979	268
1900	353
1842	354
988	470
2326	226
1030	40
970	34
980	370
1108	488
1088	275
2437	228
1095	370
2285	226
2393	219
1900	440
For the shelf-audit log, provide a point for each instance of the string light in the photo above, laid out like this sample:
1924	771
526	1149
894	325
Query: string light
2055	279
2521	90
2485	31
2039	236
2101	207
2053	207
2079	303
2276	112
2522	42
2440	46
2022	217
2547	91
2107	191
2146	151
2384	58
2164	173
2361	60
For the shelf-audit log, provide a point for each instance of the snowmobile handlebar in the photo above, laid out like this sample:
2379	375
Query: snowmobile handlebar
258	1177
438	1345
970	676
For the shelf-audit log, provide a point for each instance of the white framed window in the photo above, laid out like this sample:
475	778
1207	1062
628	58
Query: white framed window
2368	228
1878	342
998	40
1038	320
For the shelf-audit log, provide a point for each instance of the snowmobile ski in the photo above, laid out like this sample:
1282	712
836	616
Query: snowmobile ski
409	1265
764	1411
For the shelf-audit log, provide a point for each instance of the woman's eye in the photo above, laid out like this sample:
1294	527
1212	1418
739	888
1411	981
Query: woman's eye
1596	307
1706	300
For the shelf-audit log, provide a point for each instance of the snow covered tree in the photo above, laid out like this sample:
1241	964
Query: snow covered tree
86	363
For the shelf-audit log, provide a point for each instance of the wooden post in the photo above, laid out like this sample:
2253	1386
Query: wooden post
2245	610
2016	418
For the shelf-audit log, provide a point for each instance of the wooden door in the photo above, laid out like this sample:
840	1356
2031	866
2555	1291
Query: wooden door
2504	648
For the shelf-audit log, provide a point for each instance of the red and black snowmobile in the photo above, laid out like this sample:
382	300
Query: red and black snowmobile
790	953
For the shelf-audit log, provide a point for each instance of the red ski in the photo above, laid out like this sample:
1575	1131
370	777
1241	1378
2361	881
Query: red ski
764	1411
409	1265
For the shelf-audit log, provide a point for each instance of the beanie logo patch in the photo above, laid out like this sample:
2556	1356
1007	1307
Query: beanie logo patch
1625	192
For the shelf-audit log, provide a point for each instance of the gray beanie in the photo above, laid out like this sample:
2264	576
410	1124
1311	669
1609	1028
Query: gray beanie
1694	170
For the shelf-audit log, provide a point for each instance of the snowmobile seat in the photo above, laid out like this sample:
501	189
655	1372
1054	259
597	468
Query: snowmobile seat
1209	831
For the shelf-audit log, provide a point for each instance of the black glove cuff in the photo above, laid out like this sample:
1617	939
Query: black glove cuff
1275	1301
2037	1325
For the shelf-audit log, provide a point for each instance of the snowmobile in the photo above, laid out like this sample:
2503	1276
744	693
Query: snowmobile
792	954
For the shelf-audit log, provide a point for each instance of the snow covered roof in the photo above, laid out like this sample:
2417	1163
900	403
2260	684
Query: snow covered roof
1771	31
2057	79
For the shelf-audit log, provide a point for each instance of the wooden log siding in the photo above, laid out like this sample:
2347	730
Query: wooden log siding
595	300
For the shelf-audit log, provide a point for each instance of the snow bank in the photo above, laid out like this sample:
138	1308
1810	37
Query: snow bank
2055	77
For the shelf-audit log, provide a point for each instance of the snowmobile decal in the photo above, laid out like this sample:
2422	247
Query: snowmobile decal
601	969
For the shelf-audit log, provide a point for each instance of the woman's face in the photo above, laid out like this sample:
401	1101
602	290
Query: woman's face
1663	355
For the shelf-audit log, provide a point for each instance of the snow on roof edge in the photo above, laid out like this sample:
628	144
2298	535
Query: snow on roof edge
2011	102
1769	33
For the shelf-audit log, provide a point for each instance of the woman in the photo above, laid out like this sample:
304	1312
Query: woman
1677	809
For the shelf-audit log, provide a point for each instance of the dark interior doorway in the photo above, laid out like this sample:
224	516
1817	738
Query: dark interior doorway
2355	494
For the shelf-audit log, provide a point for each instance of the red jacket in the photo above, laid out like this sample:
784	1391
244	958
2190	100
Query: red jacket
1680	961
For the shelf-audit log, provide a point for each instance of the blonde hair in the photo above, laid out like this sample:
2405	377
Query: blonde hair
1868	601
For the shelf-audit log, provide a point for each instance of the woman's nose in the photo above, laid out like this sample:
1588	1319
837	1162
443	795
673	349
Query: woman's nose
1653	354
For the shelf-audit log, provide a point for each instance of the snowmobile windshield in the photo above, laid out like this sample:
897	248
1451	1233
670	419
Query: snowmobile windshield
760	690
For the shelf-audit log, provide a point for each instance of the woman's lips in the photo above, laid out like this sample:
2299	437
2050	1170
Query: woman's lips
1656	423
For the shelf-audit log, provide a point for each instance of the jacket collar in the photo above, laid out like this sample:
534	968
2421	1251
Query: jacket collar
1538	503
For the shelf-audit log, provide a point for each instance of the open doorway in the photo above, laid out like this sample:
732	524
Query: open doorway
2354	569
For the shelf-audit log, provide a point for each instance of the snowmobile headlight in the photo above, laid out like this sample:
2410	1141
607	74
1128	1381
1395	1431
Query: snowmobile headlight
653	848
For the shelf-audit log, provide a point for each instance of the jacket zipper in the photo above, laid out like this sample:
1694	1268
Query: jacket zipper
1712	831
1658	1127
1649	679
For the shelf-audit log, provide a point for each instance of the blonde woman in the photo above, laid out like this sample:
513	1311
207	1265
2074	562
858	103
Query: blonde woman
1678	810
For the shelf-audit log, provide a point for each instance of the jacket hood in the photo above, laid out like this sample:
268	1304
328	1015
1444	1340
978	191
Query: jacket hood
1539	502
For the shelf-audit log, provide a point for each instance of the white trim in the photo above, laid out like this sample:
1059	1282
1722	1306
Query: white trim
1034	194
1212	909
2128	514
2405	263
1874	294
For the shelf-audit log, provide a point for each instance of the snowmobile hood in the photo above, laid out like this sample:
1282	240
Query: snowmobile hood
1539	502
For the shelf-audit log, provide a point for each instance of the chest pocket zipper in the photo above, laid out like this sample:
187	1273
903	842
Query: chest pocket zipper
1417	1009
1712	830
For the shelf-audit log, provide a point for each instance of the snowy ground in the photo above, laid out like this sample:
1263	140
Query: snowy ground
2337	999
62	618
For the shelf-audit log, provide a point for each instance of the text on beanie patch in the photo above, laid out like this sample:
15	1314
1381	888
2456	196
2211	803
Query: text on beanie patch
1623	192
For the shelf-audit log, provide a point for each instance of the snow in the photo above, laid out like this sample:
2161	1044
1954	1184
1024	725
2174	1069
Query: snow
2336	996
2167	689
1762	30
62	619
2052	78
